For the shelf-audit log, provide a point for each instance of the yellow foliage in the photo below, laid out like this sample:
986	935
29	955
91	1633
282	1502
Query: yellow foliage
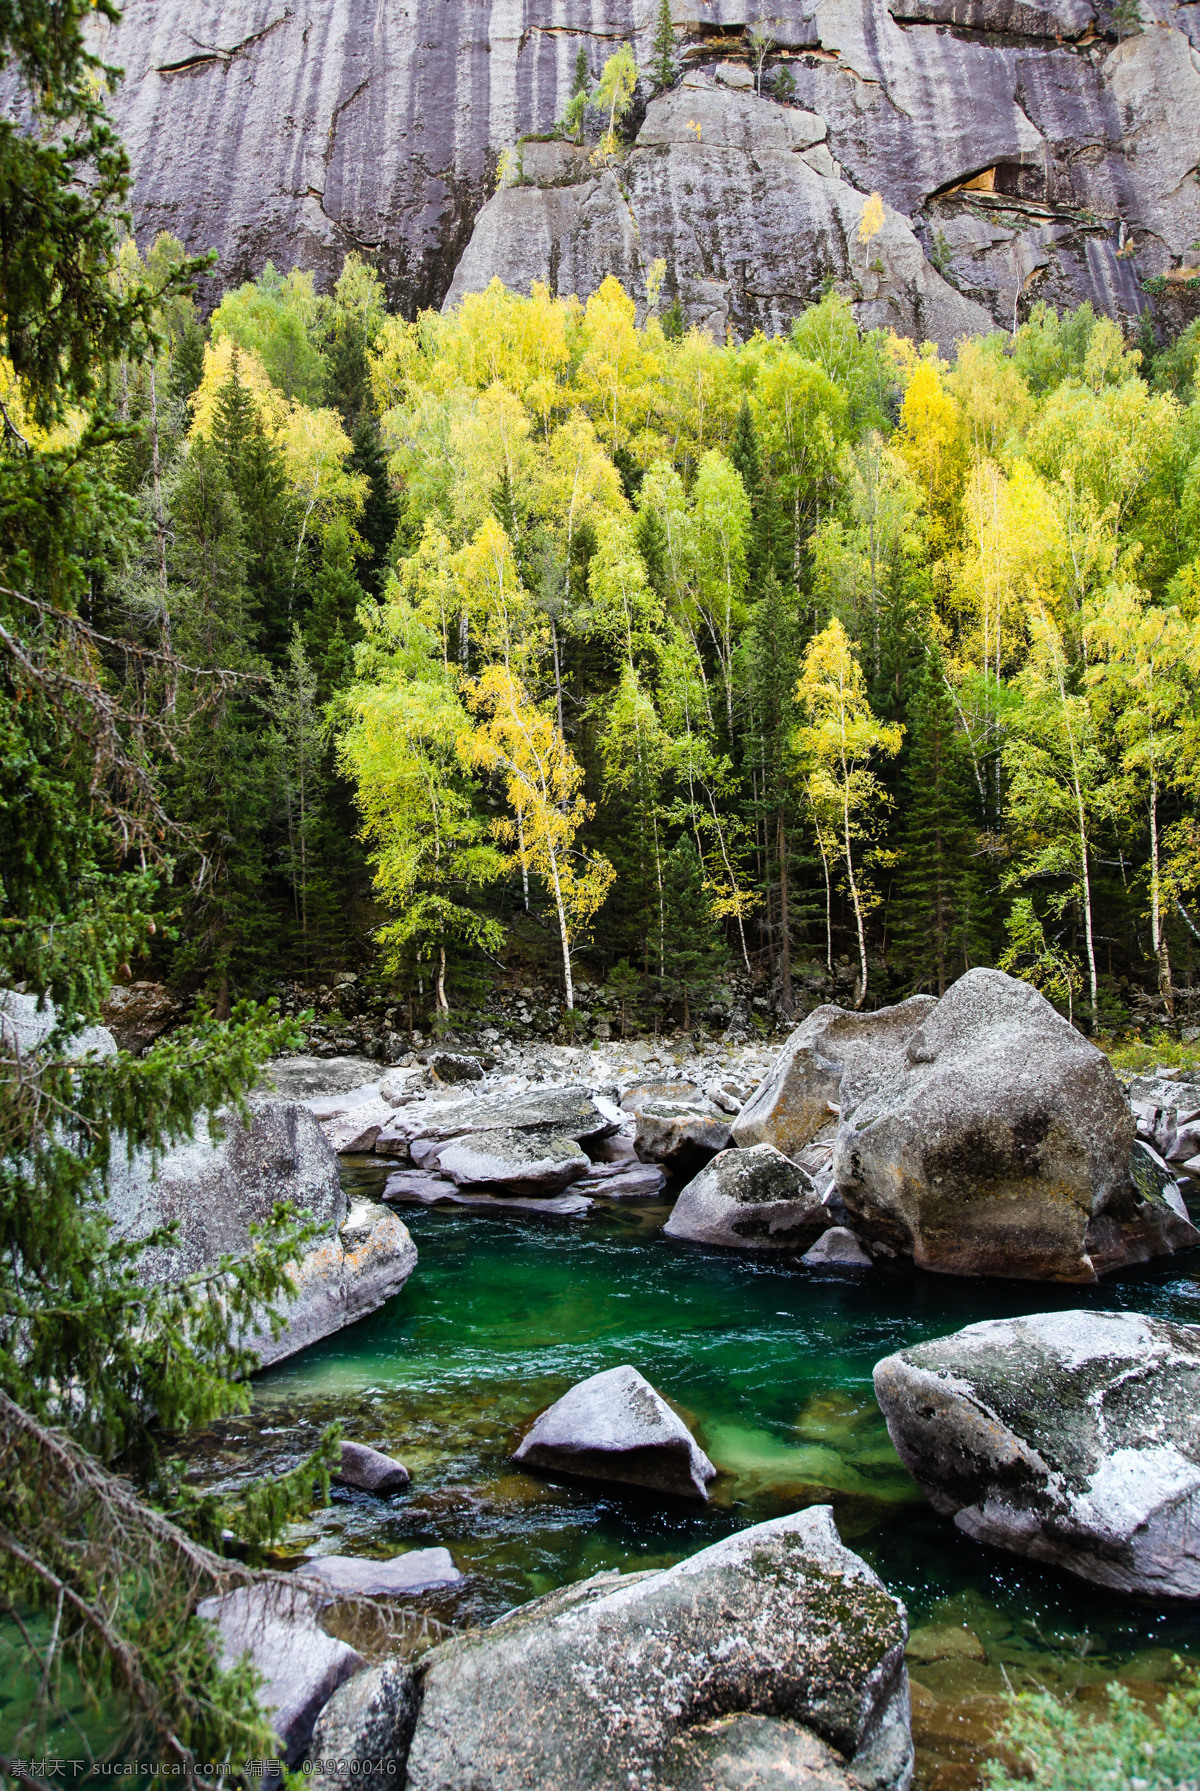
871	219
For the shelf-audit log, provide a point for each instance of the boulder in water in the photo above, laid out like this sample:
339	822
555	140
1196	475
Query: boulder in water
605	1684
754	1199
370	1470
837	1248
527	1162
615	1427
990	1145
403	1576
1069	1437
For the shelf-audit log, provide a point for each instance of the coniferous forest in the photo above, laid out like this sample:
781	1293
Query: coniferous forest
544	641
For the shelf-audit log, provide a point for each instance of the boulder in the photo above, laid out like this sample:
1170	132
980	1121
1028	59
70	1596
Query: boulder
24	1027
834	1057
403	1576
615	1427
837	1248
1149	1218
528	1162
365	1730
342	1278
450	1067
1069	1437
682	1135
369	1470
320	1078
993	1142
605	1684
754	1199
573	1112
276	1623
624	1181
734	1753
138	1013
638	1093
424	1189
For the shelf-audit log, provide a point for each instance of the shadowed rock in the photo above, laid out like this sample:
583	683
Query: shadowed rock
837	1248
753	1199
1068	1437
680	1134
615	1427
525	1162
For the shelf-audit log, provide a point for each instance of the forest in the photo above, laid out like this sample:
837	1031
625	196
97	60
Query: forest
556	637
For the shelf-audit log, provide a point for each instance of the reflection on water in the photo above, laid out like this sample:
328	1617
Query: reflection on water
771	1366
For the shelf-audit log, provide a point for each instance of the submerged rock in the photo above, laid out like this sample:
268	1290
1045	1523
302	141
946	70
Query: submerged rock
994	1141
1069	1437
615	1427
369	1470
680	1134
837	1248
301	1666
754	1199
606	1684
403	1576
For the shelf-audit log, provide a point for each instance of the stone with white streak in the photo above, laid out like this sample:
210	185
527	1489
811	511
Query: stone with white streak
1069	1437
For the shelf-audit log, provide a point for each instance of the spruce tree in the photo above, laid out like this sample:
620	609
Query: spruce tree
743	452
696	954
664	66
257	480
939	909
381	513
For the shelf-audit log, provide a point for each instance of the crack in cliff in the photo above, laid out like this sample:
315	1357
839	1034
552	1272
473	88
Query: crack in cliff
994	36
335	117
210	53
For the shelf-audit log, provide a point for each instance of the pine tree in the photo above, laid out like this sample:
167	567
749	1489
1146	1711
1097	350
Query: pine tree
664	67
381	513
257	479
696	953
937	924
580	85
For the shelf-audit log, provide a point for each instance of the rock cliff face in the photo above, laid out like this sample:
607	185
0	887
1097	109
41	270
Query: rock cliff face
1020	149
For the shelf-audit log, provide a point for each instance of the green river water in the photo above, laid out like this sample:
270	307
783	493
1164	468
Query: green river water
769	1362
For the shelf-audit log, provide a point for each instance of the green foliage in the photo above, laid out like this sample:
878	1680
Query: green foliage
277	317
695	952
664	66
1063	1748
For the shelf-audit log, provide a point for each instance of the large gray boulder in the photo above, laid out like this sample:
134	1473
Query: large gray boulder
25	1027
1069	1437
365	1729
574	1111
614	1682
754	1199
403	1576
215	1189
614	1427
833	1059
994	1143
680	1134
526	1162
277	1624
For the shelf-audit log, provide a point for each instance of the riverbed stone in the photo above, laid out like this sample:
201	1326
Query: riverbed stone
837	1248
278	1625
615	1427
423	1189
452	1067
603	1684
679	1134
527	1162
754	1199
623	1181
403	1576
1069	1437
834	1057
343	1277
370	1470
993	1142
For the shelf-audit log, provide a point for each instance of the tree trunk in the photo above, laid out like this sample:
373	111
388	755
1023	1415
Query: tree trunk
785	943
858	919
562	930
1158	933
443	1006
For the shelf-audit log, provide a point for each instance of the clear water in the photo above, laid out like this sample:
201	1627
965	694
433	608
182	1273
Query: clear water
769	1362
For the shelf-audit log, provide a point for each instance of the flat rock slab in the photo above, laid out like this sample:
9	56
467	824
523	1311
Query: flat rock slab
523	1162
637	1181
614	1427
754	1199
301	1666
370	1470
602	1685
434	1190
680	1134
1069	1437
403	1576
573	1112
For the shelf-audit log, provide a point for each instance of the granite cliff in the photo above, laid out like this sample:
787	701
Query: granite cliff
1024	149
